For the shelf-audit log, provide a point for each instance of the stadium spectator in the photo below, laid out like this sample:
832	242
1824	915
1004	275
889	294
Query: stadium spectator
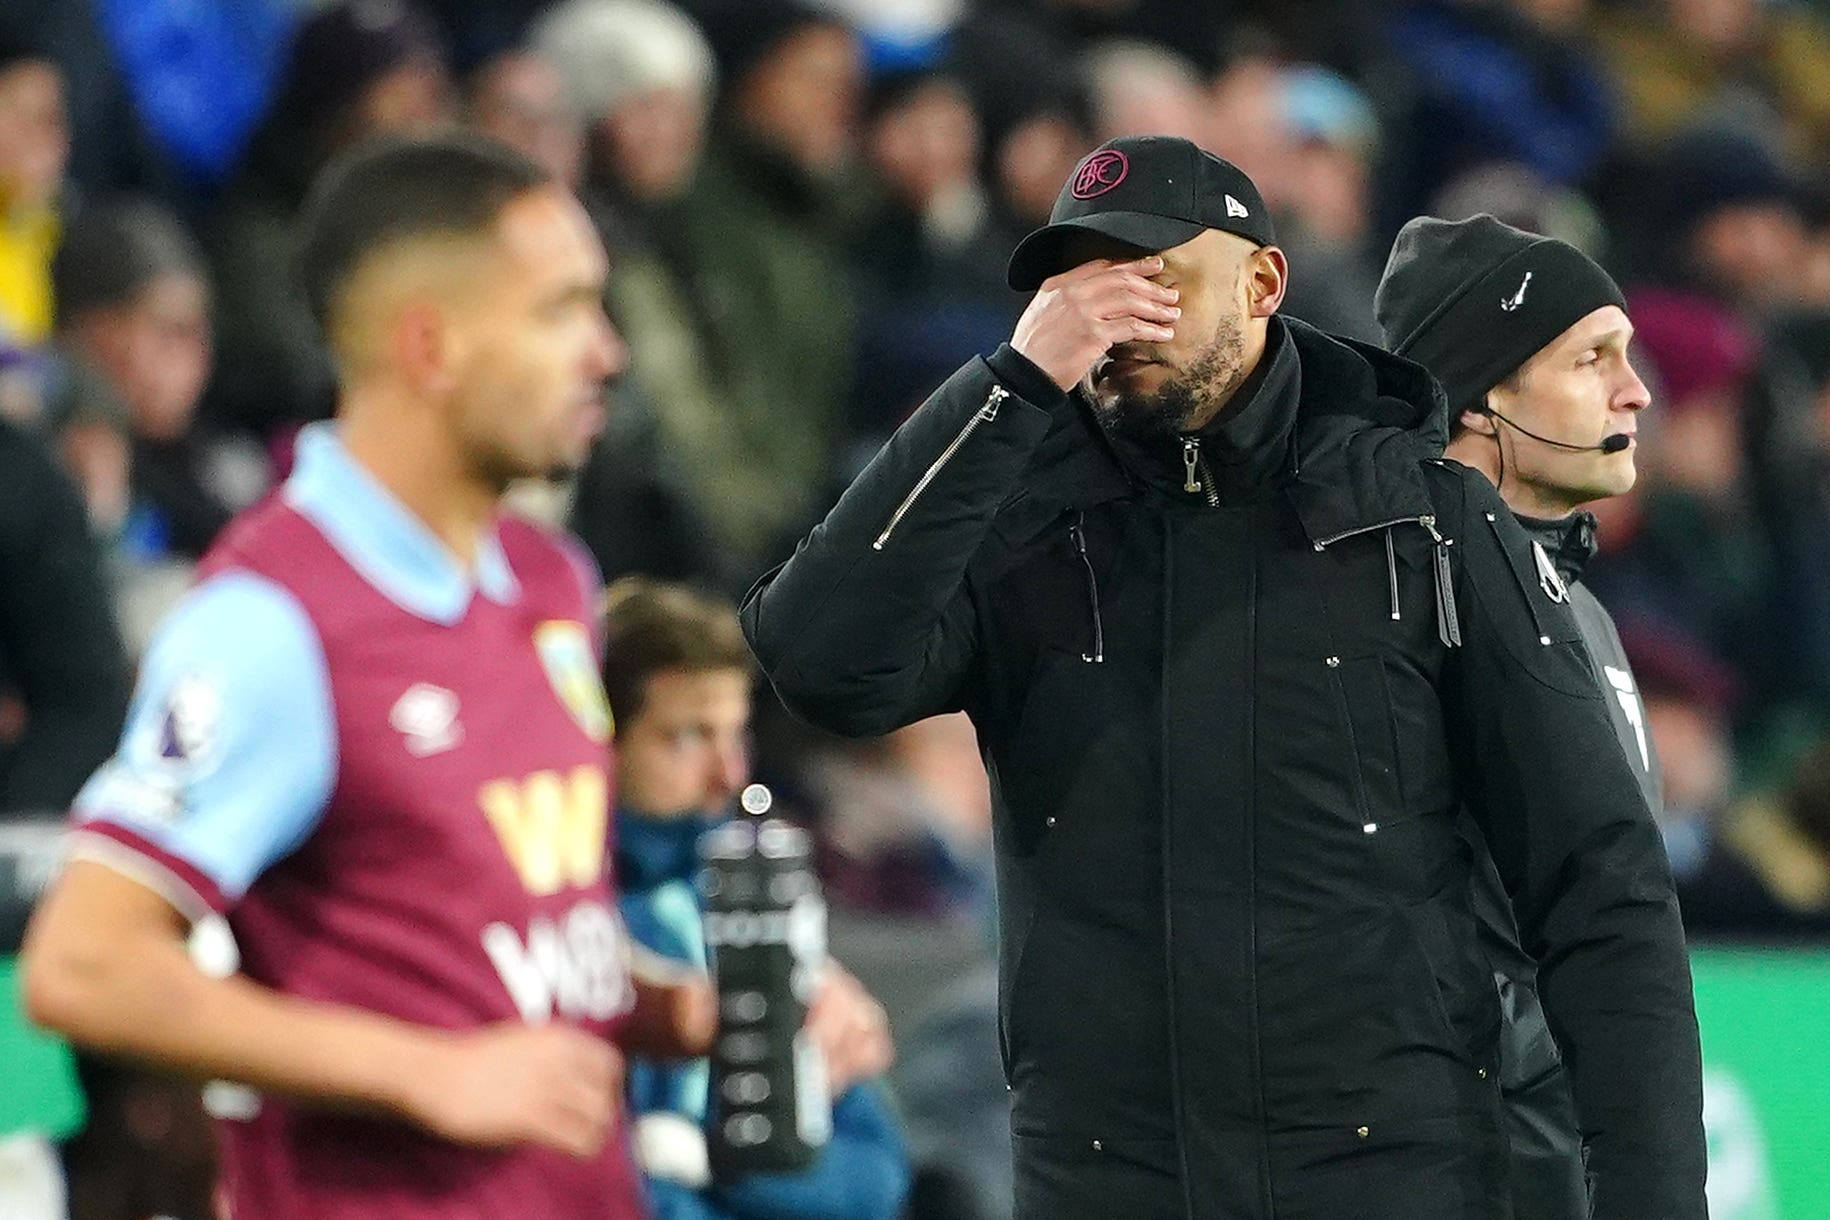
1684	546
1768	873
133	312
1473	83
520	98
63	691
931	239
759	243
1325	223
34	151
649	500
731	276
1719	211
640	75
357	68
1033	108
63	676
929	261
1689	696
1140	88
679	678
1788	461
903	830
1512	193
1248	113
1678	62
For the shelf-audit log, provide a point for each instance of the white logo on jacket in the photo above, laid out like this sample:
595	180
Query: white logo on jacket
1624	690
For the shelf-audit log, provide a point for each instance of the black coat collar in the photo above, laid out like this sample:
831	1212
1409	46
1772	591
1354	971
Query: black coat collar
1569	541
1362	421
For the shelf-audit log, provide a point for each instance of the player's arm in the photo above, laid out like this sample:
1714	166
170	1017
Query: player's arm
225	767
108	967
869	626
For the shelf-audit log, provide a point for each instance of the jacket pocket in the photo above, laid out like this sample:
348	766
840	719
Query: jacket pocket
1009	987
1528	1052
1363	703
1362	1030
1096	1177
1461	979
1398	1169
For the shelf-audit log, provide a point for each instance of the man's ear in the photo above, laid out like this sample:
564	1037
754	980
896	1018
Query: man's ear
420	342
1270	276
1478	420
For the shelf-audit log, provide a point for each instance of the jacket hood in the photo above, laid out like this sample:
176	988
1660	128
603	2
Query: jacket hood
1363	420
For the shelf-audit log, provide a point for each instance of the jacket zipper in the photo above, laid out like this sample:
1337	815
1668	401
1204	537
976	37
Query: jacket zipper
1448	621
1196	476
1391	572
1098	655
983	415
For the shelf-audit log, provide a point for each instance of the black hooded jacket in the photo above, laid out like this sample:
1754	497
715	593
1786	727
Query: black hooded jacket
1548	1175
1232	693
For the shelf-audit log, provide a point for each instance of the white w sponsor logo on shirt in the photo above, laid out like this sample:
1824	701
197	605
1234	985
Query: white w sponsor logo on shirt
575	967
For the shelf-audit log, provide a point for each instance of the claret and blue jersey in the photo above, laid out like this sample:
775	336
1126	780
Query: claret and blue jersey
391	774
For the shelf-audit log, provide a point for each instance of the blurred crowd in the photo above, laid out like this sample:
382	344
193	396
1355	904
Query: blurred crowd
808	205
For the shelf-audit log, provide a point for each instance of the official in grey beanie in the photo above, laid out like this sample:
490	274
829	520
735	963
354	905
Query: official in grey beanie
1472	300
1529	337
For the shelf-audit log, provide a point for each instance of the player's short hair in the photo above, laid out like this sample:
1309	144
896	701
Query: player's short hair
401	188
651	626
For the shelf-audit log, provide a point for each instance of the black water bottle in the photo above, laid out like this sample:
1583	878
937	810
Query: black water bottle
765	928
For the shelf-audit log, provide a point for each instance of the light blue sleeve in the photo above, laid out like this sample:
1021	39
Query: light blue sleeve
229	756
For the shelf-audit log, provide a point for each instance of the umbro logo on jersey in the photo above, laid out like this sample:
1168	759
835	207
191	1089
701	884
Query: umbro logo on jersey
1235	208
427	716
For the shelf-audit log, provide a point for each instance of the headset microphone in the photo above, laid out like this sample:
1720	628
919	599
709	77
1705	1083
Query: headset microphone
1612	444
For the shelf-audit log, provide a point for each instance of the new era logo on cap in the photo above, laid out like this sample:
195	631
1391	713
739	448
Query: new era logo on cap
1146	192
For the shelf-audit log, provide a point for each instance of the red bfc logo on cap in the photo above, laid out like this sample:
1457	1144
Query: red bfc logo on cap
1099	173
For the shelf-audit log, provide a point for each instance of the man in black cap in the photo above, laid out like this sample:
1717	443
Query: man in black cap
1528	337
1239	647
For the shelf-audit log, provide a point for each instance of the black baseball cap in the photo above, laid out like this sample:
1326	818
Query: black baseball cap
1152	192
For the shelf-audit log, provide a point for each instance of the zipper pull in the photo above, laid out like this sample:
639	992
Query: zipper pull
1078	534
984	415
1391	571
1191	462
1448	621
